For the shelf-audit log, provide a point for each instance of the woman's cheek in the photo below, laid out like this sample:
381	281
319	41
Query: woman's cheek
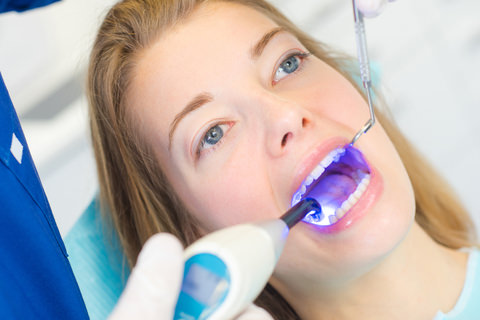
237	195
327	92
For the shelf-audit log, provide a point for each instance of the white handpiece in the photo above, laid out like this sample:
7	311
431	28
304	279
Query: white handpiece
226	270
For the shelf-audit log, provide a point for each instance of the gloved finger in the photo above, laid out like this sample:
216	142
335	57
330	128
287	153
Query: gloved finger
371	8
154	284
254	313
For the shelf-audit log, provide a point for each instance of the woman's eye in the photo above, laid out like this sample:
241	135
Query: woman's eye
289	65
212	138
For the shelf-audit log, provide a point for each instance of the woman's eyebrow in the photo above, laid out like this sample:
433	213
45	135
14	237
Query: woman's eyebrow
204	97
194	104
260	45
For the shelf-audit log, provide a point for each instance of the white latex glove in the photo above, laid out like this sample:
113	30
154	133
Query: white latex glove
154	284
372	8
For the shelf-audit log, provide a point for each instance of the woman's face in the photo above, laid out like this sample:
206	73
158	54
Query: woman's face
239	115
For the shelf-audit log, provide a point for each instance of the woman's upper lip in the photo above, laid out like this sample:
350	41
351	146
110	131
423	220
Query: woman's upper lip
312	158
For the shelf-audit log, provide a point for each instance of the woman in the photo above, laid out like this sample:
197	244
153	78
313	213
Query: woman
206	114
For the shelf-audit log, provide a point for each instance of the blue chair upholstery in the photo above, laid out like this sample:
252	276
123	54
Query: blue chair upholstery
97	261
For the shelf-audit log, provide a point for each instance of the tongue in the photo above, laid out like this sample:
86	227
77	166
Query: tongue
332	190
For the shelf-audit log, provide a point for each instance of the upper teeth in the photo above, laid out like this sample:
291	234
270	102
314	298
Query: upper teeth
334	155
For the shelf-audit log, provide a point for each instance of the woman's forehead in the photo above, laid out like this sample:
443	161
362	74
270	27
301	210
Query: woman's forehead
212	31
206	49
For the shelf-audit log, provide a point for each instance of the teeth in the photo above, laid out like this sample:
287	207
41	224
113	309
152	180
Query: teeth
361	188
334	155
338	156
363	185
332	219
353	198
309	180
339	213
327	161
317	172
297	198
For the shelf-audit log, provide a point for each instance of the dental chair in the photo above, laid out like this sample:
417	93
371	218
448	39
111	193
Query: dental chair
98	262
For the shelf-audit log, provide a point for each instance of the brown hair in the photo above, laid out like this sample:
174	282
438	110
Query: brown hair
137	198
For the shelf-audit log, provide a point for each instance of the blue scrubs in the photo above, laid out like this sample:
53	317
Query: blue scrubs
22	5
36	280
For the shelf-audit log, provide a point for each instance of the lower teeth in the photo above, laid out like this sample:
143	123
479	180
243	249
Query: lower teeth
353	198
331	213
332	219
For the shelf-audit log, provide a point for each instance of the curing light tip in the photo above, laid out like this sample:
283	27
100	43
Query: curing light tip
300	210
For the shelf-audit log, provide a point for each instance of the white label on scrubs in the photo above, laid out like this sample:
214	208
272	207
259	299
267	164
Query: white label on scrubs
16	148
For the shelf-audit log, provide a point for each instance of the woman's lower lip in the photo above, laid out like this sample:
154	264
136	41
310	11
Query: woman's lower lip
359	210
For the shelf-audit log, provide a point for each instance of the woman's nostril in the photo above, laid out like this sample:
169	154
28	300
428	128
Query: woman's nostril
304	122
285	139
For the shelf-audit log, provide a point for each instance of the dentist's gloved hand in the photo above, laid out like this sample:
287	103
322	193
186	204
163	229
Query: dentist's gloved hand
372	8
154	284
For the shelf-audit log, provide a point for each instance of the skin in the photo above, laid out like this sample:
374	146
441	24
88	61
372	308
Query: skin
270	128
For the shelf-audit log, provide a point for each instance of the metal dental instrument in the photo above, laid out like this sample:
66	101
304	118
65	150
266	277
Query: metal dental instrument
364	68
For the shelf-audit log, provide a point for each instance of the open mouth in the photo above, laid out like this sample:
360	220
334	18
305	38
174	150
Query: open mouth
337	183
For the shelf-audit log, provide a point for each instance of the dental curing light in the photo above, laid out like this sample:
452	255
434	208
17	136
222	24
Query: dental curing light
226	270
362	54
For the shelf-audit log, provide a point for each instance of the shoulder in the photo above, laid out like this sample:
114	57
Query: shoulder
467	306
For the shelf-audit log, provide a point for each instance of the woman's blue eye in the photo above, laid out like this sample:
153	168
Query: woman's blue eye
212	138
213	135
289	65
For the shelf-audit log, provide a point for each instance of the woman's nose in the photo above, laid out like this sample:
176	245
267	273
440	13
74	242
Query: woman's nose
285	123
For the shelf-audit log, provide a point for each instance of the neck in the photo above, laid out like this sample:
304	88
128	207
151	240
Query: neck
419	278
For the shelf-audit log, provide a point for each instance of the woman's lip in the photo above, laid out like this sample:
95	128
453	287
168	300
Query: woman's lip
359	210
313	158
